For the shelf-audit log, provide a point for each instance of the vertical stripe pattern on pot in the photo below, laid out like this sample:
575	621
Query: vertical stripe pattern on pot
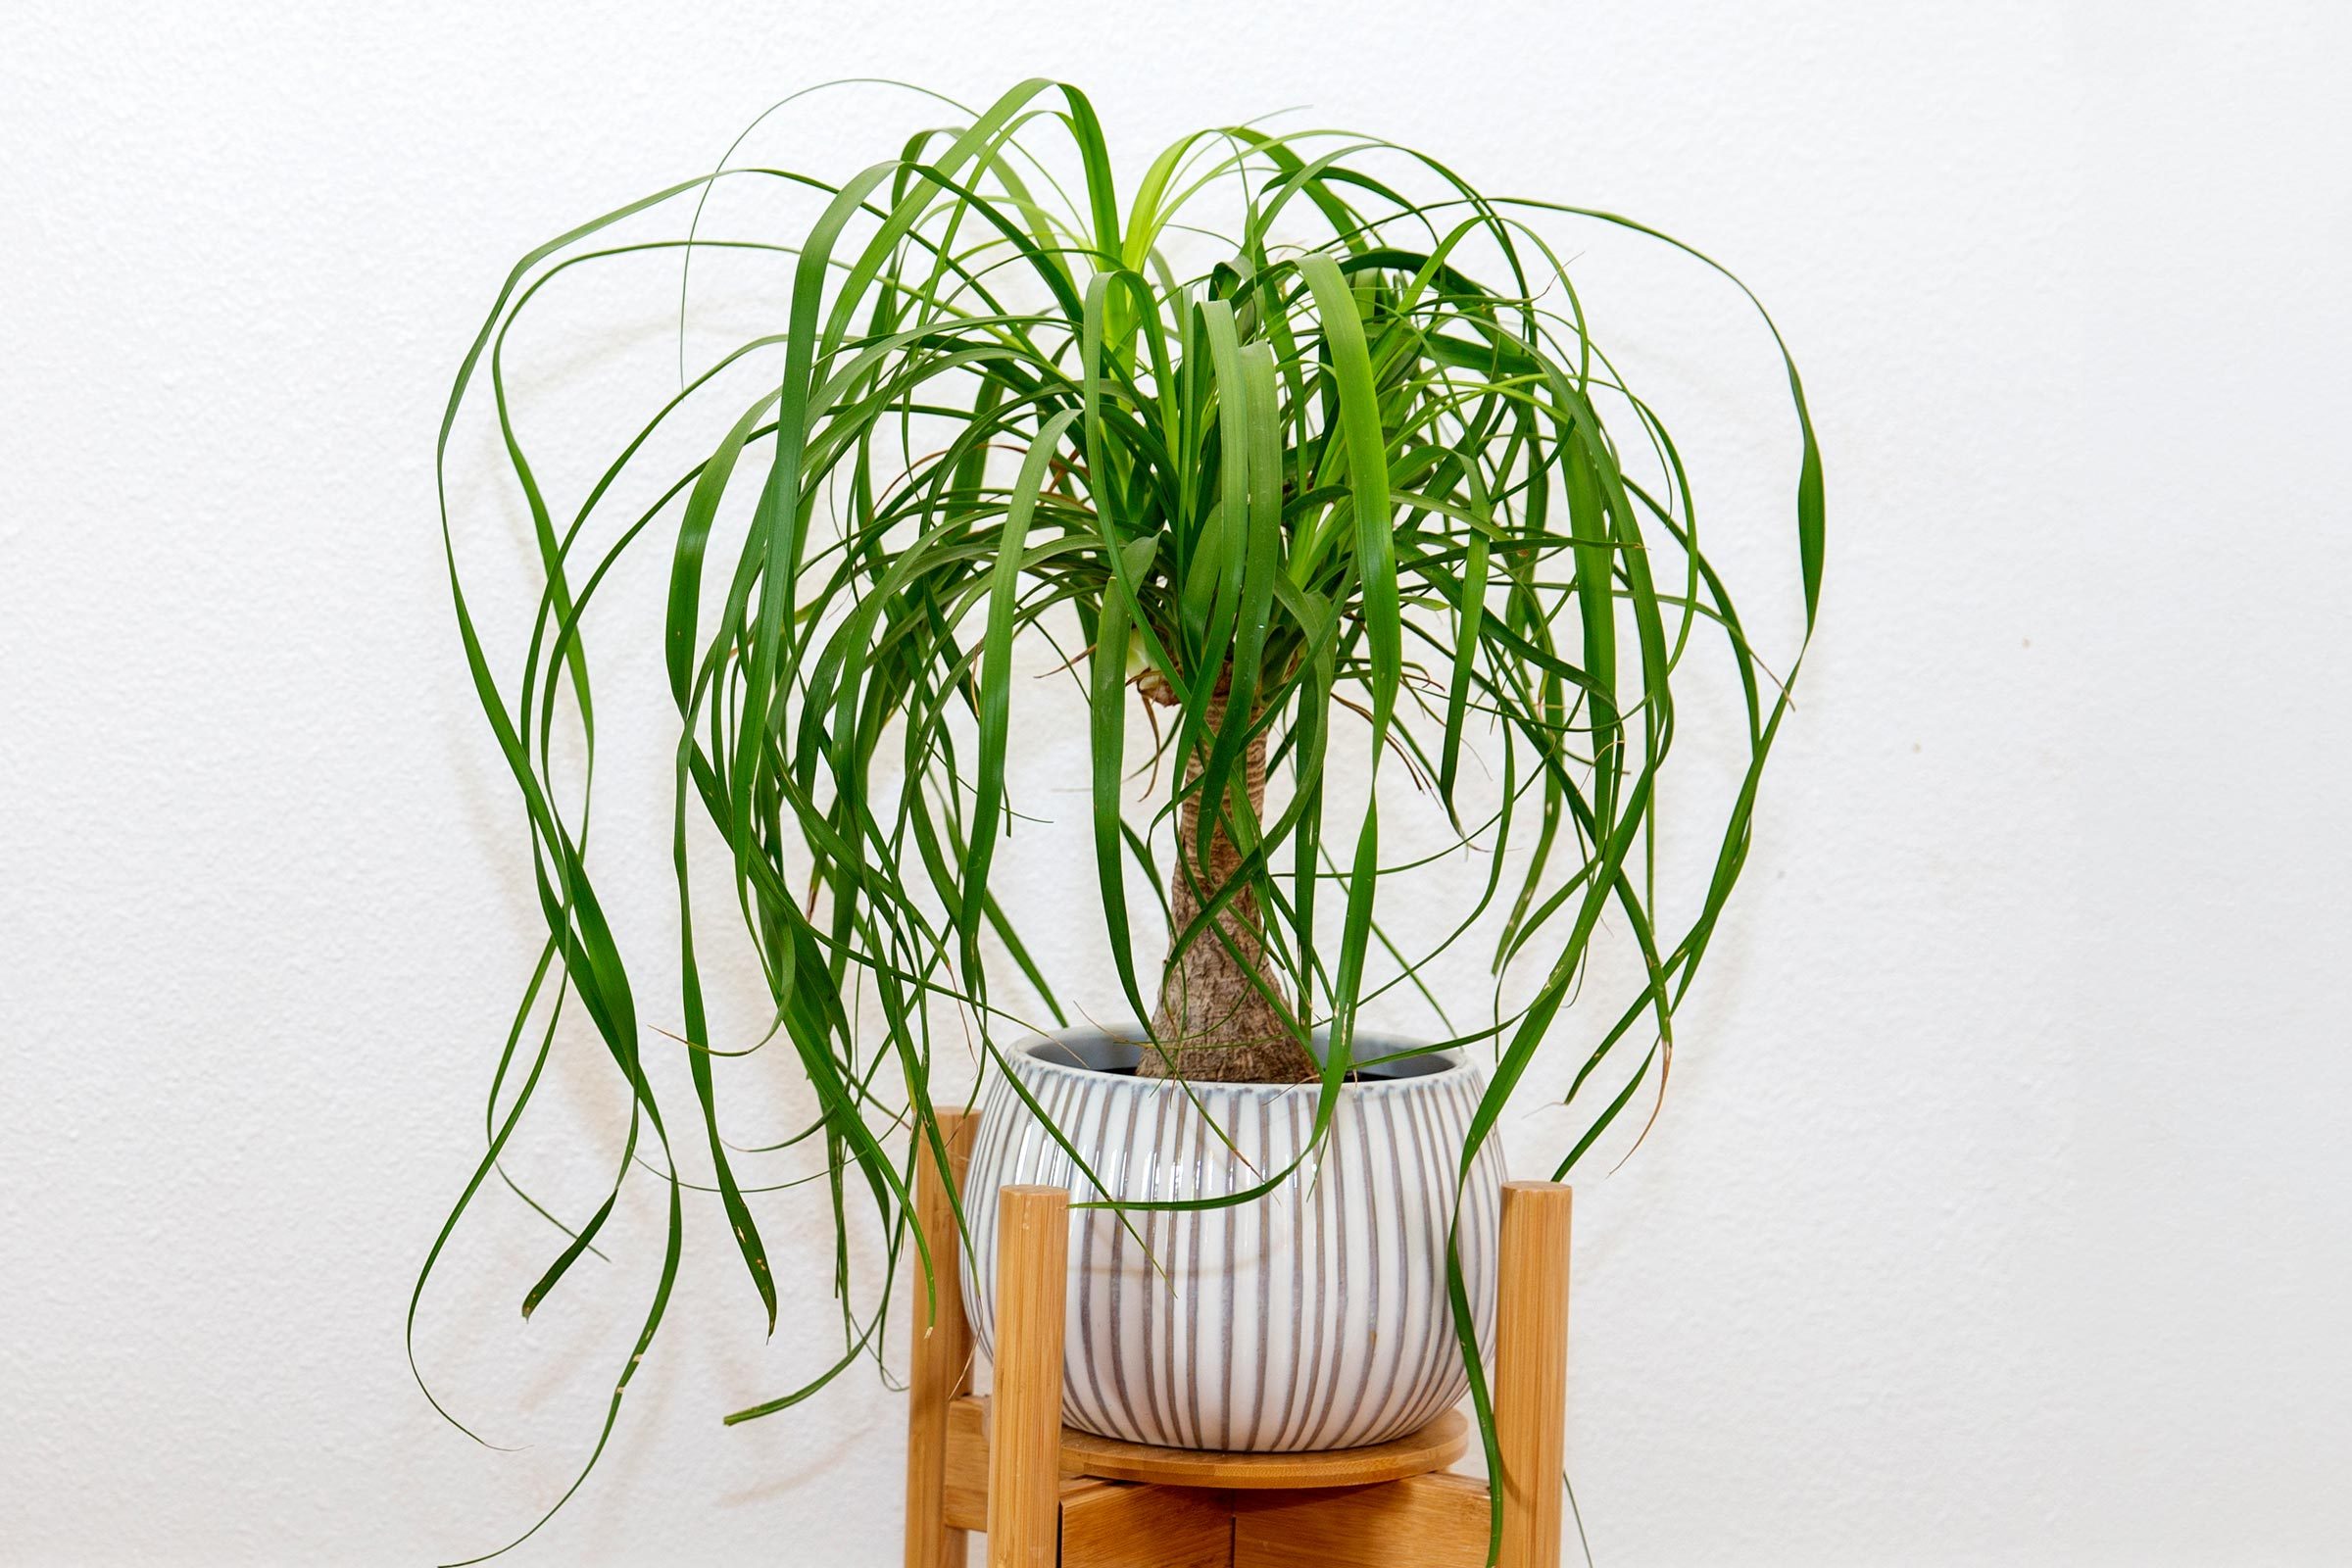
1313	1317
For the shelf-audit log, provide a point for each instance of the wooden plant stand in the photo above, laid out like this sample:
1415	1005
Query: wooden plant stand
1049	1497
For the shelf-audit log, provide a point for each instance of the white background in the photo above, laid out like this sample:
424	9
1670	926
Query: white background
2000	1213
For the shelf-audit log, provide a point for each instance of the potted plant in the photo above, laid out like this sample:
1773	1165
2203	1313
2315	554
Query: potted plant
1298	455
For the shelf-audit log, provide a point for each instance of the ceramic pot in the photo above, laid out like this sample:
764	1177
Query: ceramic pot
1314	1317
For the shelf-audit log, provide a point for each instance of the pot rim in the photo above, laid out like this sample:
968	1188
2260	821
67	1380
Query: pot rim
1059	1054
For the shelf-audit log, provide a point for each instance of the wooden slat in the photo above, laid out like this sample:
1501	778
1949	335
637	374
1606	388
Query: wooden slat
1111	1525
1432	1521
965	1495
1024	1440
941	1359
1530	1370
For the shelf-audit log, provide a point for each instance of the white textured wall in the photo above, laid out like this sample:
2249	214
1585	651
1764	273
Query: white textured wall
2001	1213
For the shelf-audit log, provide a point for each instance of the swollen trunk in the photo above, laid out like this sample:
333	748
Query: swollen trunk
1214	1023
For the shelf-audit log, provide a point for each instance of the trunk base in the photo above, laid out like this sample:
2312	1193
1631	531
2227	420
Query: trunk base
1227	1050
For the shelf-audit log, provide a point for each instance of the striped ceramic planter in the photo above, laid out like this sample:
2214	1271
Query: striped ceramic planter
1315	1317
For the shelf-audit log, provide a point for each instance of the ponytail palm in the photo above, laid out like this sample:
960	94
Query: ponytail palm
1336	503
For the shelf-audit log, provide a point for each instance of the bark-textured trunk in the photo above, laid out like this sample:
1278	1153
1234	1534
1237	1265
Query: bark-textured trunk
1214	1025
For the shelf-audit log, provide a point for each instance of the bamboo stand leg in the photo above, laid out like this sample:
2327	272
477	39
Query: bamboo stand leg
1530	1370
941	1363
1024	1460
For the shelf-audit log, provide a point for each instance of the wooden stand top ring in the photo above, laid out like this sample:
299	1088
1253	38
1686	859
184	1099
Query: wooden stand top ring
1416	1454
